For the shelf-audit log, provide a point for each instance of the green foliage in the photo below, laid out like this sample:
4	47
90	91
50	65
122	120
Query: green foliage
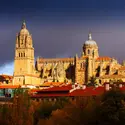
92	81
47	107
120	81
112	108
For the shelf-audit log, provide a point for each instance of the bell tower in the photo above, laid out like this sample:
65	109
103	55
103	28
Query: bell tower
24	56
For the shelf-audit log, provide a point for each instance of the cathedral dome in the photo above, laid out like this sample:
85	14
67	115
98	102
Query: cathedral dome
90	41
23	30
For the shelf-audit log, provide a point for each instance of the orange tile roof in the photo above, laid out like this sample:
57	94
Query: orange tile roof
104	58
9	86
52	84
122	68
6	76
84	57
112	76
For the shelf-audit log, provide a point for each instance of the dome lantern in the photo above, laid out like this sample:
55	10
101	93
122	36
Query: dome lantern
23	30
90	41
89	36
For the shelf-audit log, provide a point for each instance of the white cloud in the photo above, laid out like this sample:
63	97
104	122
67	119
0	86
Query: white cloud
7	68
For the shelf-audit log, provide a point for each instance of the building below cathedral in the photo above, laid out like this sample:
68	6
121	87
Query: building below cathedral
72	70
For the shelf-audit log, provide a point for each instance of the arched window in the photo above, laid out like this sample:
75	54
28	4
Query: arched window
24	54
81	65
93	53
88	51
19	54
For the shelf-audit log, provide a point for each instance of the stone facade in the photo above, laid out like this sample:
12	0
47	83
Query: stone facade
75	69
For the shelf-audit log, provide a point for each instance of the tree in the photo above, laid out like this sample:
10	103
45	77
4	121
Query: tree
47	107
92	81
76	112
112	108
19	112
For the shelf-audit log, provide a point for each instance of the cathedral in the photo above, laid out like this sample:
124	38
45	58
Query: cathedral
73	70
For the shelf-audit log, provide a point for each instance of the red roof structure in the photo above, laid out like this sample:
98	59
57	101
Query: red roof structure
70	91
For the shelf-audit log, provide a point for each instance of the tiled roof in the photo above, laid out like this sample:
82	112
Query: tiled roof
50	95
9	86
65	91
59	88
84	57
52	84
89	91
112	76
55	59
122	68
6	76
104	58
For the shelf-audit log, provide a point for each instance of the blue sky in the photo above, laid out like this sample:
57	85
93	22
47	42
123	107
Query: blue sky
60	27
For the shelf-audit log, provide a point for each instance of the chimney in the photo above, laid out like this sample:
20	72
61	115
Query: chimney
120	85
73	86
96	86
76	84
107	87
83	86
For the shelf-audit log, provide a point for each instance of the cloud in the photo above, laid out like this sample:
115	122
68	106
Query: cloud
7	68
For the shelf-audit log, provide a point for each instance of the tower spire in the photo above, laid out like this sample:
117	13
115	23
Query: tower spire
23	25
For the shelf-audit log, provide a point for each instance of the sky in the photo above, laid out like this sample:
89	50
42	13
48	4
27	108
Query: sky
60	27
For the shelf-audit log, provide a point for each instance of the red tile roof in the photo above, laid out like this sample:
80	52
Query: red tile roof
50	95
89	91
6	76
58	88
65	91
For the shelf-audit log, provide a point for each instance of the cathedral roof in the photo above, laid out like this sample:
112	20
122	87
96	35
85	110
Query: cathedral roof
112	76
90	41
122	68
23	30
56	59
104	58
